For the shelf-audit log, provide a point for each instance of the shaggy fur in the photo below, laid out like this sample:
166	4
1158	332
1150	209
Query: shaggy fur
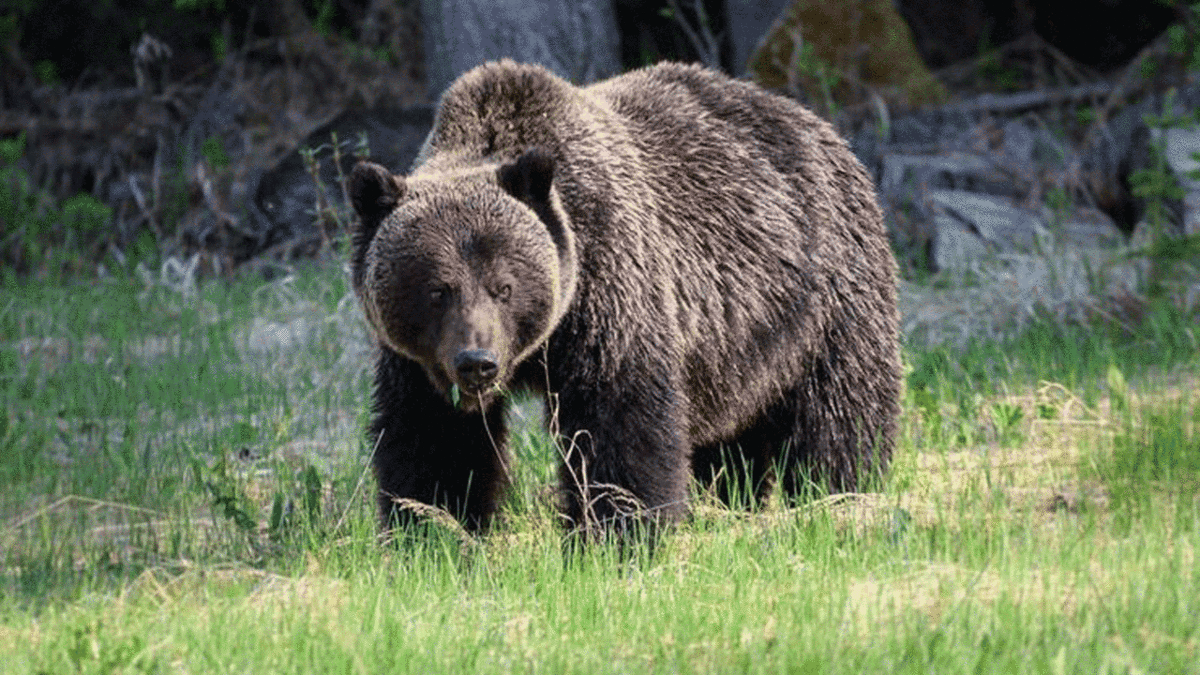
696	271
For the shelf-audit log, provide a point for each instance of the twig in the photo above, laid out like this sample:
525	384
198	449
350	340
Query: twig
361	477
705	43
491	439
95	503
440	516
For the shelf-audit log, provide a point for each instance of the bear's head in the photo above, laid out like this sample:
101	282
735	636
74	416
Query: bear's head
466	271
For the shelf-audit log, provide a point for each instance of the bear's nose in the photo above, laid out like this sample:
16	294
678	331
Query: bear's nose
476	367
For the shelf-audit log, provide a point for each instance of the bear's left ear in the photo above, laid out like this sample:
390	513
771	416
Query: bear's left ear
374	191
529	178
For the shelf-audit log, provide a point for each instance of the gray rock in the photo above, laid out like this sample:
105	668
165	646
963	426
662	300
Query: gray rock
1149	152
950	194
1182	151
1019	142
994	222
1028	153
1085	228
1110	149
1115	149
955	244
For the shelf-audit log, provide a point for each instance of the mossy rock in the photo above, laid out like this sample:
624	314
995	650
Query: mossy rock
848	45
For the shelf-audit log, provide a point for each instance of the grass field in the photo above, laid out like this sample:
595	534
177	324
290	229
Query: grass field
183	488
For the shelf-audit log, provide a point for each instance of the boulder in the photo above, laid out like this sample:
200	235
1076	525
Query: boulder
845	46
969	225
1182	152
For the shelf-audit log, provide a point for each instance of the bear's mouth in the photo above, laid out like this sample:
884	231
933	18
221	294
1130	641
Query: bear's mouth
465	397
473	399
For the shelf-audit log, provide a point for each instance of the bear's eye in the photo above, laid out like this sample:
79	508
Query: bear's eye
437	296
502	293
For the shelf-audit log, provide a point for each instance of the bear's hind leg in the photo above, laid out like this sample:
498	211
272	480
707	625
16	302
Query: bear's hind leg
841	436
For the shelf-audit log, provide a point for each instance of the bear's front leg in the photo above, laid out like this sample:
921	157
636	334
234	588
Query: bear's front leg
428	451
625	460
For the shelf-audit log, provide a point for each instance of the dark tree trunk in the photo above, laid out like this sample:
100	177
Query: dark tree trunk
577	39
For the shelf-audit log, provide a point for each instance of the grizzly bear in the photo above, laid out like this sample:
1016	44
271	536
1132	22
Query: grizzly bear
692	270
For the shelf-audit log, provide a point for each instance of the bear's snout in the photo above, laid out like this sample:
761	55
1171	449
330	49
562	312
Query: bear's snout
477	368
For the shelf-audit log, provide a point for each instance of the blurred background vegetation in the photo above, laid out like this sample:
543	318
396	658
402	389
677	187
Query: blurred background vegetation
135	130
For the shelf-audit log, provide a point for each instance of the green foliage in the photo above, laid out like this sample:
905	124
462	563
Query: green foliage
90	647
9	28
38	235
1163	447
1148	69
1155	450
47	72
56	240
323	16
228	498
996	75
197	5
945	385
993	74
1007	419
1183	39
297	507
806	63
1157	185
84	213
1060	203
1168	256
331	216
220	47
1170	119
214	153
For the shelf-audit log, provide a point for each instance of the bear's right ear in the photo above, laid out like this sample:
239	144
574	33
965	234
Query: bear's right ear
529	178
374	191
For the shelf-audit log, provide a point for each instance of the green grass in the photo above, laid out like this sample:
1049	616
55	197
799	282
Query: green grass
183	489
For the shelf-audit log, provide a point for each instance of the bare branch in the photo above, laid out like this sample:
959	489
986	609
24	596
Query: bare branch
704	42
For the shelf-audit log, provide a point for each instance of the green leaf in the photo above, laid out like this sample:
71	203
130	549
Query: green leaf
1177	40
1118	388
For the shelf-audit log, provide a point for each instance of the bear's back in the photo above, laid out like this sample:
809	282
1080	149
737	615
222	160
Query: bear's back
768	222
683	95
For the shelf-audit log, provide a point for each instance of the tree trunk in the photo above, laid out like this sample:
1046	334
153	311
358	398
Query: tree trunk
577	39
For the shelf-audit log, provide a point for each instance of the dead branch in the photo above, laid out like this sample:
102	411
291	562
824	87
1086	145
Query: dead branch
701	37
1027	100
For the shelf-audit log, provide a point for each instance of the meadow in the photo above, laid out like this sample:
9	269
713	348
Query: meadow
184	487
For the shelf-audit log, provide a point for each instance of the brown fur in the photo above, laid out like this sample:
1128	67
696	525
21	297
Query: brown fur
697	270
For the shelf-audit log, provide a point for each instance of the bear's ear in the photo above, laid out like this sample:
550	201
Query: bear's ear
374	192
529	178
